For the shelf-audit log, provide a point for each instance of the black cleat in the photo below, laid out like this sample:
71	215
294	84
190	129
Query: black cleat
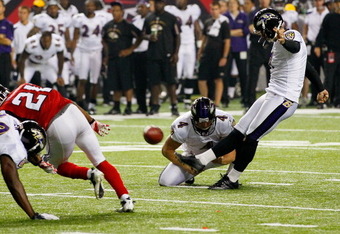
224	183
154	109
113	111
192	161
190	181
174	111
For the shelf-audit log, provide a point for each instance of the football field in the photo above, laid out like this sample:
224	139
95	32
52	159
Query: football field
292	186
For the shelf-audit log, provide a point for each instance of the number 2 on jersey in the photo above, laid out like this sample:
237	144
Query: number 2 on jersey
31	102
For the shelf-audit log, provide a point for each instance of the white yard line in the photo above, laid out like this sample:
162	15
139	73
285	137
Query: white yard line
188	229
187	202
337	180
275	184
288	225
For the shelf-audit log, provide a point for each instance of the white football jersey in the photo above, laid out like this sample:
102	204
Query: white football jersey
70	12
10	143
20	36
182	131
107	16
290	17
186	19
288	69
37	53
47	23
90	31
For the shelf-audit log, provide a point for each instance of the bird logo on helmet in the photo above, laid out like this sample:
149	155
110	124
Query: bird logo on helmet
3	94
33	136
203	116
265	21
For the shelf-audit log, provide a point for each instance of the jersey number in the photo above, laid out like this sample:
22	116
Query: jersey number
32	103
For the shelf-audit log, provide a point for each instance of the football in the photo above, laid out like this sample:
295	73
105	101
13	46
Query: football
153	134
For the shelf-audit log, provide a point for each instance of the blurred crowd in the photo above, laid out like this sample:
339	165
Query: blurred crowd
163	52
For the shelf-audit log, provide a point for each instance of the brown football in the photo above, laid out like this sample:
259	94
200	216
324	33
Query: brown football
153	134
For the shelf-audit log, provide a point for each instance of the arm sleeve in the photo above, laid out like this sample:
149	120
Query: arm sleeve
314	77
292	46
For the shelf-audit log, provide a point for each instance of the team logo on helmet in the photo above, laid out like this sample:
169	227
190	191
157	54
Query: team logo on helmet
32	136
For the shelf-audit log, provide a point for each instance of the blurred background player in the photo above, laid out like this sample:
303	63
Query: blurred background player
311	29
58	23
37	8
214	52
21	29
238	23
195	132
38	56
68	125
162	30
88	40
6	37
328	36
140	60
188	17
118	36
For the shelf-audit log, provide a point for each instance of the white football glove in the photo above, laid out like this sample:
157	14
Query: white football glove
45	216
46	166
100	128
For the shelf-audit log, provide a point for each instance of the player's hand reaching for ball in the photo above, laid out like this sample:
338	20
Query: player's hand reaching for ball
322	96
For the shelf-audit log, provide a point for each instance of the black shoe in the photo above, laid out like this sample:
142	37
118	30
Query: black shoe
154	109
192	161
190	181
127	111
139	111
174	111
113	111
224	183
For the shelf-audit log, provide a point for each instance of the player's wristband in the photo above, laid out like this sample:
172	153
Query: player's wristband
92	121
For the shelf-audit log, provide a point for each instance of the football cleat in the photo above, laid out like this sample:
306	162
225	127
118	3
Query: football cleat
190	181
224	183
113	111
127	205
97	181
154	109
174	111
191	161
127	111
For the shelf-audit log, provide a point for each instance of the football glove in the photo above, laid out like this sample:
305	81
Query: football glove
100	128
45	216
46	166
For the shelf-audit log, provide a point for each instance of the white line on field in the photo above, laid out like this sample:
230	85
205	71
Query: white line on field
337	180
287	225
276	184
188	229
188	202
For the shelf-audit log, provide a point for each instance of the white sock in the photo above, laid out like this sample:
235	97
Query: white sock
231	166
206	156
234	175
89	173
124	197
231	92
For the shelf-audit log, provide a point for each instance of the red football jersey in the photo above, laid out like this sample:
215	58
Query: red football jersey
36	103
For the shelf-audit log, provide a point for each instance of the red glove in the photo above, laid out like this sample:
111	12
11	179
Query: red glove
100	128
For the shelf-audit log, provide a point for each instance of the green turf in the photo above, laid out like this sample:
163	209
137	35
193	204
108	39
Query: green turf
301	192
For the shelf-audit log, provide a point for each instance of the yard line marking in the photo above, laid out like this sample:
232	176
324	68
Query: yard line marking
337	180
276	184
222	169
287	225
188	229
188	202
